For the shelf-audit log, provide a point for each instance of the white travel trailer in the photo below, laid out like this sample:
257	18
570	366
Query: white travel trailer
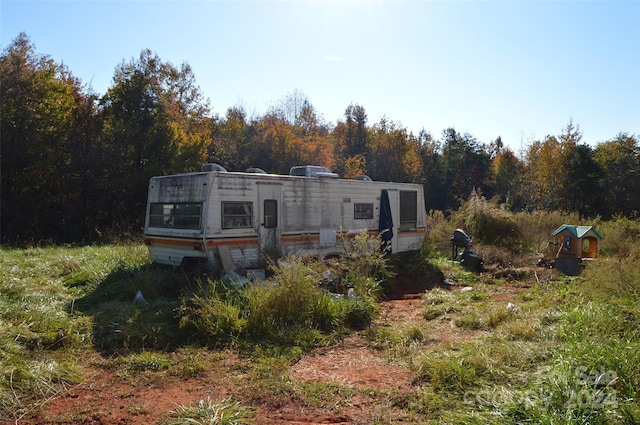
233	219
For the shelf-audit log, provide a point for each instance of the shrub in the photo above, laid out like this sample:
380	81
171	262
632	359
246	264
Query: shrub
210	318
620	236
364	265
536	227
439	231
291	299
502	257
357	313
289	309
363	286
489	224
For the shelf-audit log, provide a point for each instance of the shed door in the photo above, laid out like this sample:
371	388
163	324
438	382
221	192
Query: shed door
269	229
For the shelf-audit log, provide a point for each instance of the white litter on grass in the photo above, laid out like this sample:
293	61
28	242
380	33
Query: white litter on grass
467	289
139	299
256	274
234	279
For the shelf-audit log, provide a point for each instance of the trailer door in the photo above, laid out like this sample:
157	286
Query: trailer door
269	228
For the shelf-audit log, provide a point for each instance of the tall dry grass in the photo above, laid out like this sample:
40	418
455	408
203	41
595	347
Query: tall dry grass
502	235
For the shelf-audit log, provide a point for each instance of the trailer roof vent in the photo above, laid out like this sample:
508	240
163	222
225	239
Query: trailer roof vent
363	178
255	170
311	171
213	167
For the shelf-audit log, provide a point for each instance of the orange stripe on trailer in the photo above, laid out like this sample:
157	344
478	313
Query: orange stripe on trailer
198	242
181	242
245	241
311	237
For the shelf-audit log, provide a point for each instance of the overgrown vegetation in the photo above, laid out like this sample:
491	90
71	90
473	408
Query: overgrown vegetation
557	350
564	353
66	299
295	306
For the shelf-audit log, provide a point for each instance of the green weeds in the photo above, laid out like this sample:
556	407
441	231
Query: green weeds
207	412
39	318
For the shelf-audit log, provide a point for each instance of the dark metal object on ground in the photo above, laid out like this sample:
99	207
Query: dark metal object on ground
460	239
468	259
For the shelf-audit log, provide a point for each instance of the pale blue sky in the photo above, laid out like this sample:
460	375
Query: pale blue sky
519	70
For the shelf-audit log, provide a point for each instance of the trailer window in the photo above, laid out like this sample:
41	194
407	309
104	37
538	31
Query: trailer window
175	215
408	210
363	211
237	215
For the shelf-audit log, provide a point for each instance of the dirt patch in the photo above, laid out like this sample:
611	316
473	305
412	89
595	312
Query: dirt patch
108	397
352	364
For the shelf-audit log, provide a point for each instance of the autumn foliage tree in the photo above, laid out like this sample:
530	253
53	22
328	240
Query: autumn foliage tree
465	166
155	123
392	154
619	160
351	141
231	140
432	168
544	173
37	110
75	164
311	144
507	171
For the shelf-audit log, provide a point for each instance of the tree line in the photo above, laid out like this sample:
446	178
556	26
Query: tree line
75	165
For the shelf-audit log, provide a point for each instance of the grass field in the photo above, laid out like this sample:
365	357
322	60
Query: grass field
519	344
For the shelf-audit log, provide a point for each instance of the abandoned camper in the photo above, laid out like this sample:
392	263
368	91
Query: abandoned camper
234	219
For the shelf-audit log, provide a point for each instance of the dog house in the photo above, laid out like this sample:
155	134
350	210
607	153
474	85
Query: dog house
575	244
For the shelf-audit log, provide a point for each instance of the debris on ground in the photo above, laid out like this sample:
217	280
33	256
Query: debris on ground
139	299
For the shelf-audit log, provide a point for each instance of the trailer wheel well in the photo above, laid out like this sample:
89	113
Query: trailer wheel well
194	265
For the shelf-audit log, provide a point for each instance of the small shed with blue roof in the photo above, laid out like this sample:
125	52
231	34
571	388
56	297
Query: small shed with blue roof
575	243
